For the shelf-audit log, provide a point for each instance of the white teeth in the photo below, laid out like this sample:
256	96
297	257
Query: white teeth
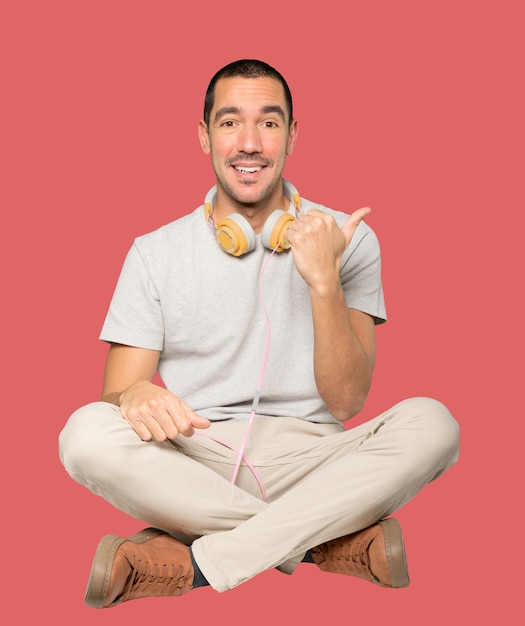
247	170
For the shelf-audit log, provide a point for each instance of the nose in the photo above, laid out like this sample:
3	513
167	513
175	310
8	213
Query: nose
249	139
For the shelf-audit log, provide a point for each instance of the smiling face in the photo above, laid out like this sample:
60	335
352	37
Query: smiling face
249	137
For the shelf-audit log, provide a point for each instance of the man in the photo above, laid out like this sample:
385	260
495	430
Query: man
258	310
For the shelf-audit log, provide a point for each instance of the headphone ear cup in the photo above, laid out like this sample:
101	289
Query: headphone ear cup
235	235
273	234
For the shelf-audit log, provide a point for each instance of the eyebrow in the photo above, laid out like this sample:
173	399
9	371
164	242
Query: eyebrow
231	110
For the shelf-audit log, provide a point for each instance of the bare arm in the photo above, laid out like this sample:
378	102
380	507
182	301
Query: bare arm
152	411
344	356
344	339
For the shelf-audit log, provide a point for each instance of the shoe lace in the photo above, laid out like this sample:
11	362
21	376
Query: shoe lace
352	554
155	579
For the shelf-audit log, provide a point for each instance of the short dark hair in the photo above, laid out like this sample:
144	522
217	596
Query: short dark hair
247	68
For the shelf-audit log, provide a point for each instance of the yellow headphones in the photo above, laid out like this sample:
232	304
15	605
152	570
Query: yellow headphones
235	235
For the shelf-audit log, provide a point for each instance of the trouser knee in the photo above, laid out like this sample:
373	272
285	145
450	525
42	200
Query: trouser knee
438	431
83	441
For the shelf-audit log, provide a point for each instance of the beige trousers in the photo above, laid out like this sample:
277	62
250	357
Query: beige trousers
321	481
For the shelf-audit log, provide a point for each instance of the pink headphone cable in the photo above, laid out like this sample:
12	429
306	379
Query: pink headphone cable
242	457
255	403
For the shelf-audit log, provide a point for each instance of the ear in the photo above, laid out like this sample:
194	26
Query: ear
204	137
292	137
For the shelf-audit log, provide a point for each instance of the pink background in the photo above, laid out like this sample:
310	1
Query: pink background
413	108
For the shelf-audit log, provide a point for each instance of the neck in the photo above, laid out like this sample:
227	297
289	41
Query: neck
219	205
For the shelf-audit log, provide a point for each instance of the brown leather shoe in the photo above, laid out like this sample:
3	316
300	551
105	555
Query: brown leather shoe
151	563
376	554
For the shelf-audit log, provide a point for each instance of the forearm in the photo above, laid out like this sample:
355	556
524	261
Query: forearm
342	365
112	397
151	410
126	366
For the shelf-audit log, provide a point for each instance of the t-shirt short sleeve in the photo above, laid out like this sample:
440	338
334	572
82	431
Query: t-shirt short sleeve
135	316
360	274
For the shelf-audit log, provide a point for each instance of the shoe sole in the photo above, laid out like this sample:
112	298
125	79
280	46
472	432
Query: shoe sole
395	552
102	566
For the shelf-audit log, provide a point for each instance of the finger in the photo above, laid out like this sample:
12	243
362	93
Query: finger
200	422
160	431
315	213
195	421
353	222
137	424
157	419
152	422
308	223
169	418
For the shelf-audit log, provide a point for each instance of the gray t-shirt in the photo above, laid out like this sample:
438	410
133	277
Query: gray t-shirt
179	293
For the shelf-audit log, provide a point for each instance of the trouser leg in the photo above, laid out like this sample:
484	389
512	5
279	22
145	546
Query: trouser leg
384	463
152	481
322	481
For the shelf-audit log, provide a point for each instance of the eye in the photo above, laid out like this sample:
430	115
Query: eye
270	124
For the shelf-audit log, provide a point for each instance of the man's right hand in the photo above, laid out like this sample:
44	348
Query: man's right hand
155	413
